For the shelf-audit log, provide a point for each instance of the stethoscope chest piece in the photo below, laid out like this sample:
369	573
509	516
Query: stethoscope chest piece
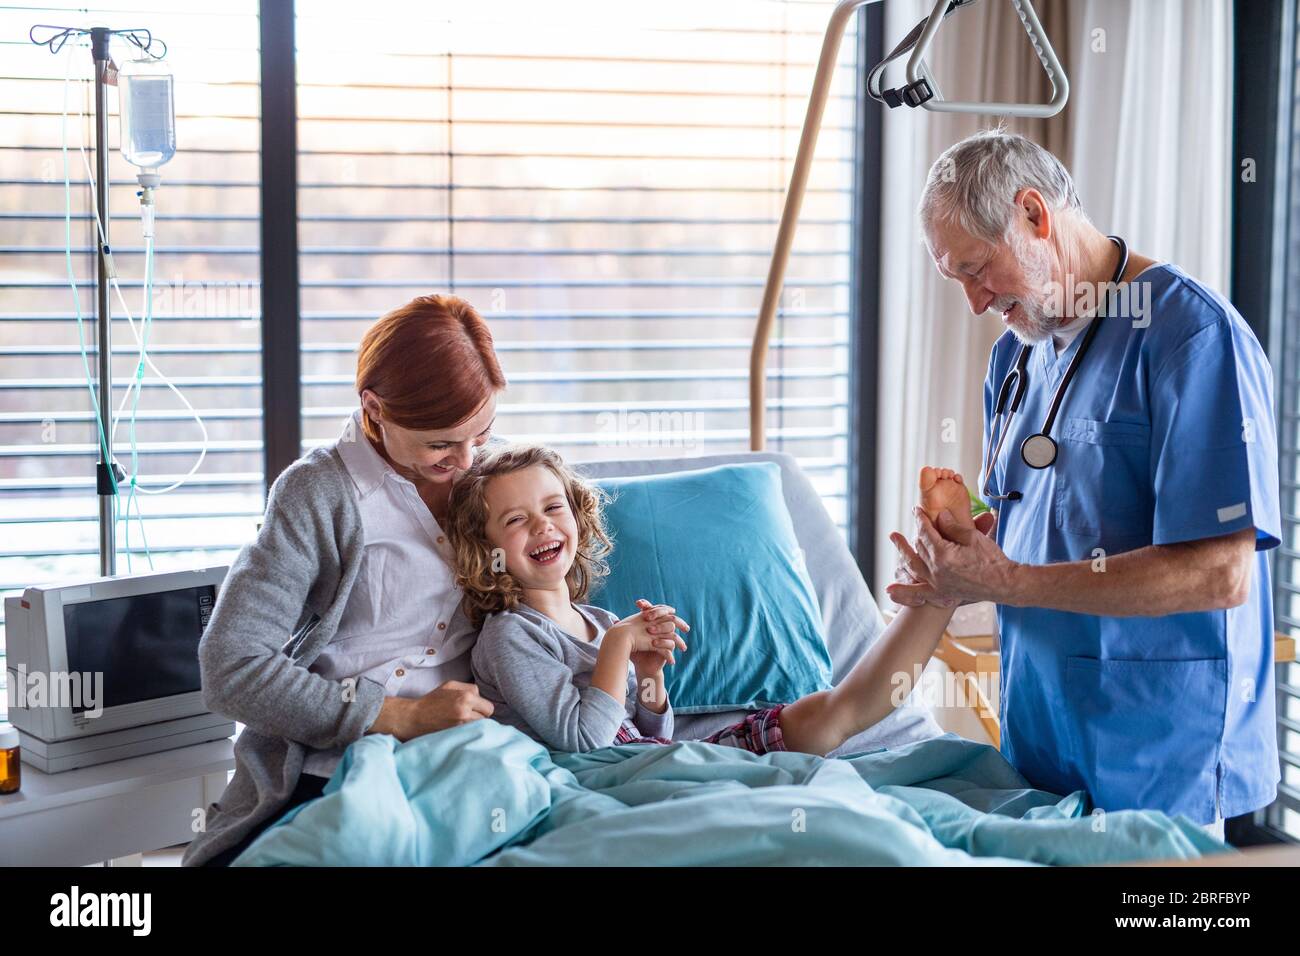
1038	450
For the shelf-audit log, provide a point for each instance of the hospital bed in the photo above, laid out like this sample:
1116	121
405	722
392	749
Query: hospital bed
852	621
905	757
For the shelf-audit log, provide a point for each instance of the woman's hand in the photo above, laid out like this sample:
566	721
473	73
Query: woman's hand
449	705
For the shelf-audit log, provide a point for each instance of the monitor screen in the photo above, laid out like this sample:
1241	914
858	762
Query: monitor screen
146	646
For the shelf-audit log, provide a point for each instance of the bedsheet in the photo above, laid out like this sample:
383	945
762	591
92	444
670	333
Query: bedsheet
485	794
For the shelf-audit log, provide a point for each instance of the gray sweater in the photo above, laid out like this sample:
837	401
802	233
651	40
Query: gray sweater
278	608
538	678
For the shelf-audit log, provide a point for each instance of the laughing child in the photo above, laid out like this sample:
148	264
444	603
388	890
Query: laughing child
529	544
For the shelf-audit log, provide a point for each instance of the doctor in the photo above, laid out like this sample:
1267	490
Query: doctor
1135	482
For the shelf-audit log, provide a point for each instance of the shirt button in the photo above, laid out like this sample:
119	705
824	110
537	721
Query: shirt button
442	625
431	651
441	539
401	672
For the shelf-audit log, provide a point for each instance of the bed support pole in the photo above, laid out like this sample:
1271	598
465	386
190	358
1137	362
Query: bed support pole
916	73
812	125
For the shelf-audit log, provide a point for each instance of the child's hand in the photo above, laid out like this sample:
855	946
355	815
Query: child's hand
653	630
663	620
649	663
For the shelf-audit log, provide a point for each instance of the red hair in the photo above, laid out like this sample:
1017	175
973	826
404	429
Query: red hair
430	363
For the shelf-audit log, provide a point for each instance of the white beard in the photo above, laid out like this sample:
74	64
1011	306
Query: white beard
1035	322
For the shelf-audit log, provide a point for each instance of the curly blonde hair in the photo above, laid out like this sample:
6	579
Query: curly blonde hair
488	590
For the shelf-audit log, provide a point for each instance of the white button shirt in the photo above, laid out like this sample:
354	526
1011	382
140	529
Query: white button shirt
402	626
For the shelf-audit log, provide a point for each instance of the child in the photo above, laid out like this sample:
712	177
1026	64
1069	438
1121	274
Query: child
529	543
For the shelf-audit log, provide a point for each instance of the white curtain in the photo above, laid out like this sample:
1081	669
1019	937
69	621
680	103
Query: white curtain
1147	135
1149	127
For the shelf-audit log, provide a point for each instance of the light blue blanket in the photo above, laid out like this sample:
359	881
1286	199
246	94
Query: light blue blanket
485	794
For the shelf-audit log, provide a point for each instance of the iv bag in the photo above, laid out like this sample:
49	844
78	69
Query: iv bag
144	89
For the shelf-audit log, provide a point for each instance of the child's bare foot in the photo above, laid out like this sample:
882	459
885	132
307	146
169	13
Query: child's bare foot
942	489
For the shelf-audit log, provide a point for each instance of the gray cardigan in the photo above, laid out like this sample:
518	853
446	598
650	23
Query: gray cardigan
278	608
537	677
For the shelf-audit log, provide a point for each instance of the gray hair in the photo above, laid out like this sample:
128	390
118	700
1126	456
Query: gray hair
974	183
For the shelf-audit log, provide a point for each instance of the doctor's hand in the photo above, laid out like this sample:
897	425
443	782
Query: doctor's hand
915	584
962	563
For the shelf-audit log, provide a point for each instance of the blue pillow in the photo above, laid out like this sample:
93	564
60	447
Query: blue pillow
718	545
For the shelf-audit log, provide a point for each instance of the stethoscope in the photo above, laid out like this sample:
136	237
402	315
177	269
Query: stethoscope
1038	451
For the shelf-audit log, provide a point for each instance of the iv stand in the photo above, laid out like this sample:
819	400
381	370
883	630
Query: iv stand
107	472
104	482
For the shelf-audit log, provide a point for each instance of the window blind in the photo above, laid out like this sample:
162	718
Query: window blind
603	181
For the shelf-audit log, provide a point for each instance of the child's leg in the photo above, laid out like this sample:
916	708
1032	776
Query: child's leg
820	722
759	732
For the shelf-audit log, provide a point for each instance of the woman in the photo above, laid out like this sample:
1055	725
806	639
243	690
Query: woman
352	556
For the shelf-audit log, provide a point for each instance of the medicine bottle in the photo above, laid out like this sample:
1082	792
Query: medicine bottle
10	762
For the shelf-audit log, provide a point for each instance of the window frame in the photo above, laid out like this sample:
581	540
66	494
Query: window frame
1265	117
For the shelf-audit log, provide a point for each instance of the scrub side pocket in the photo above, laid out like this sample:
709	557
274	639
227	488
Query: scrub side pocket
1103	483
1150	731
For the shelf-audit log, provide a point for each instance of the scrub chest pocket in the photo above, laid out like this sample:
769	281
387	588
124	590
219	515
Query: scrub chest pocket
1103	481
1147	733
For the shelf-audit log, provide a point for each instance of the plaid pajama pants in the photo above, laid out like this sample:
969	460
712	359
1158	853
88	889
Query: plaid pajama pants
759	733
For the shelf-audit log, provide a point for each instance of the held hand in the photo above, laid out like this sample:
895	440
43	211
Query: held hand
662	620
649	663
653	630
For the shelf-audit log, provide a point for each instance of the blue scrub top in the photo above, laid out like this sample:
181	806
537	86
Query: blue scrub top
1165	435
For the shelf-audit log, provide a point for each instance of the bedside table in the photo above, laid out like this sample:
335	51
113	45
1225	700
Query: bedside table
113	810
